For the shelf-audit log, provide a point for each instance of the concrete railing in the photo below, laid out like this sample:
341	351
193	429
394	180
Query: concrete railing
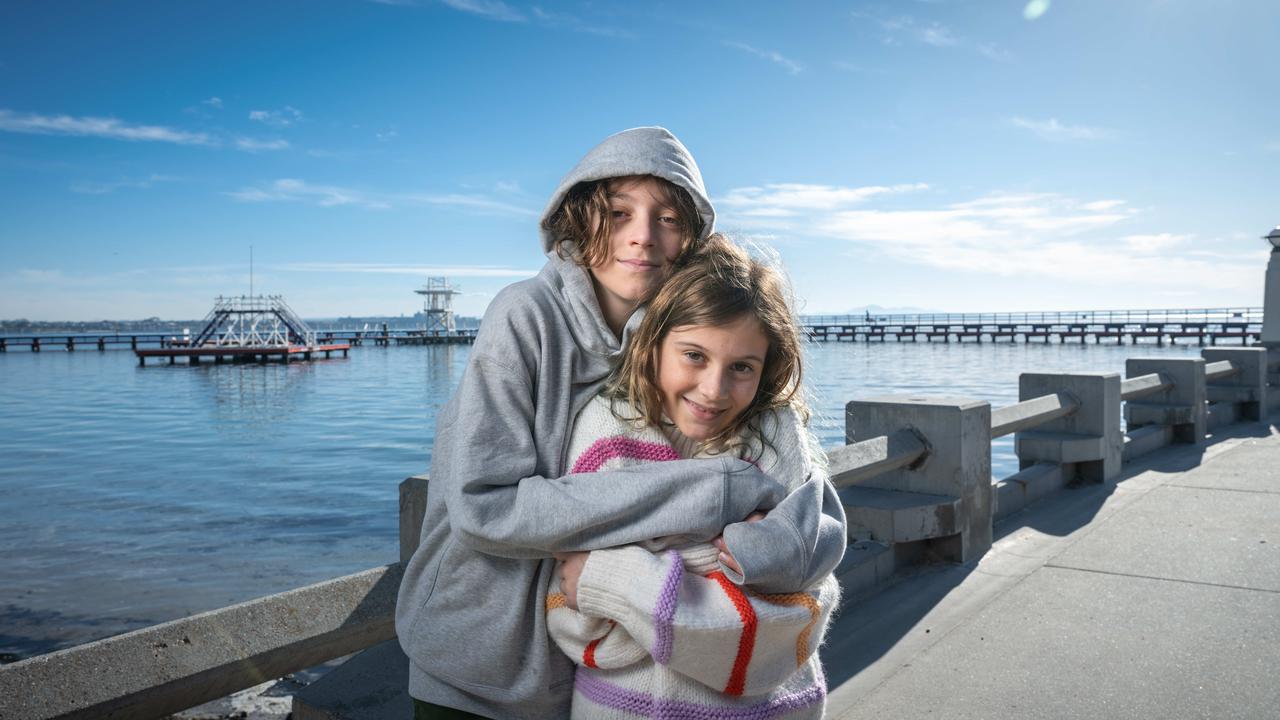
915	477
162	669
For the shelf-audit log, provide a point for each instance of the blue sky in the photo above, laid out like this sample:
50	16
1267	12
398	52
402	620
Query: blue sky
957	155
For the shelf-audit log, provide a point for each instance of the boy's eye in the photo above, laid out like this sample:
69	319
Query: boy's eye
670	220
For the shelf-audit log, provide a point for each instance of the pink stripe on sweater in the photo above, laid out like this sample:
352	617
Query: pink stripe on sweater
606	449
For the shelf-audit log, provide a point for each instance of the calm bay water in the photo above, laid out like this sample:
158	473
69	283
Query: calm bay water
137	495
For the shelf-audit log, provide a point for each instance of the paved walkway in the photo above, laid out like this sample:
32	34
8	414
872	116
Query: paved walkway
1154	596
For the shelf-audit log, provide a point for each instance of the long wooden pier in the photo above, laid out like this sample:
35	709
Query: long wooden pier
1202	333
1203	326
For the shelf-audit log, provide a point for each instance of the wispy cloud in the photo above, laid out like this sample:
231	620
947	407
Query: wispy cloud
249	144
1272	147
214	102
286	116
477	203
903	29
483	271
773	56
1055	131
291	190
1009	234
300	191
110	128
105	188
791	199
491	9
575	24
1150	244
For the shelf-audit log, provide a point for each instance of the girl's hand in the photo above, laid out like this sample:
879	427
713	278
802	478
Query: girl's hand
569	570
726	557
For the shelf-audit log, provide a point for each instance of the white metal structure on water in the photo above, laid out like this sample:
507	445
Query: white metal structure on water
253	321
437	305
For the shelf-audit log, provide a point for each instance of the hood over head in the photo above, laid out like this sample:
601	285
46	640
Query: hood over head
638	151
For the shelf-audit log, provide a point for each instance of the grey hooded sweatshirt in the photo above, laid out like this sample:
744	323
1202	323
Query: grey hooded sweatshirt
471	612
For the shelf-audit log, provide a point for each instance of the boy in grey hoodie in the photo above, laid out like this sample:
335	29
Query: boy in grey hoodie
471	612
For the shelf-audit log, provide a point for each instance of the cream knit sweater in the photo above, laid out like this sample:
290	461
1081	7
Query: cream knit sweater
660	630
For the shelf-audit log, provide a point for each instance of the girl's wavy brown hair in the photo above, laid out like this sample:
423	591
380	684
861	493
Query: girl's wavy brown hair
583	218
718	284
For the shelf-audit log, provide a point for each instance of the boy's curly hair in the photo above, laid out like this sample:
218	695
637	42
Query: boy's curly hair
580	225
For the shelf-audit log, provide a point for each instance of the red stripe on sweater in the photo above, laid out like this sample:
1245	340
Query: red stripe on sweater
746	643
589	655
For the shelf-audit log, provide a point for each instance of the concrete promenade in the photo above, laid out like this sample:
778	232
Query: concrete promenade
1155	595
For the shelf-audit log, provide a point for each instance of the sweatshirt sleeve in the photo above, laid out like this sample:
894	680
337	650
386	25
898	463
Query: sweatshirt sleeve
706	628
485	463
802	540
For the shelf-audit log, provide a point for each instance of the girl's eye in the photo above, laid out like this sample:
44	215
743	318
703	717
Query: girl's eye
669	220
693	356
617	213
743	368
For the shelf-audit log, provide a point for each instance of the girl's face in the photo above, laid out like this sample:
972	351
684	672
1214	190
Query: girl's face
708	374
645	237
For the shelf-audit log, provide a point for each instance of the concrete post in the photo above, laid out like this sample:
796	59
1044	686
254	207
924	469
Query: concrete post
413	504
958	464
1088	442
1271	300
1248	387
1181	406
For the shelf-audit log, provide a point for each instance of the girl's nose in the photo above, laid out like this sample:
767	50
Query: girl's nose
714	384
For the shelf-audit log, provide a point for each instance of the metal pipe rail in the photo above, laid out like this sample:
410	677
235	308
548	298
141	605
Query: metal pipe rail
1143	385
1030	413
162	669
852	464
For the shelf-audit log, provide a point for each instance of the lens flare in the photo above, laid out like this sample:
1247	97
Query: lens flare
1035	9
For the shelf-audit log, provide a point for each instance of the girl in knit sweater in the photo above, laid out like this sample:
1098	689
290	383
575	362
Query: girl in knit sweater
659	629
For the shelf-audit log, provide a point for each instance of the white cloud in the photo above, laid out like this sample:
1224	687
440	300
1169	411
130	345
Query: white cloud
1272	147
284	117
215	102
486	271
1036	235
255	145
478	203
1150	244
293	190
110	128
1055	131
491	9
785	199
773	56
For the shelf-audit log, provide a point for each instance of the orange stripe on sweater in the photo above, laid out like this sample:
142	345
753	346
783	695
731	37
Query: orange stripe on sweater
792	599
555	601
746	643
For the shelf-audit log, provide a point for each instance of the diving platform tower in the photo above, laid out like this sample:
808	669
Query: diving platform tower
437	305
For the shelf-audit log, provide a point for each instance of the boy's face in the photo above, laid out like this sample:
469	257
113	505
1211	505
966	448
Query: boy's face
645	237
708	374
